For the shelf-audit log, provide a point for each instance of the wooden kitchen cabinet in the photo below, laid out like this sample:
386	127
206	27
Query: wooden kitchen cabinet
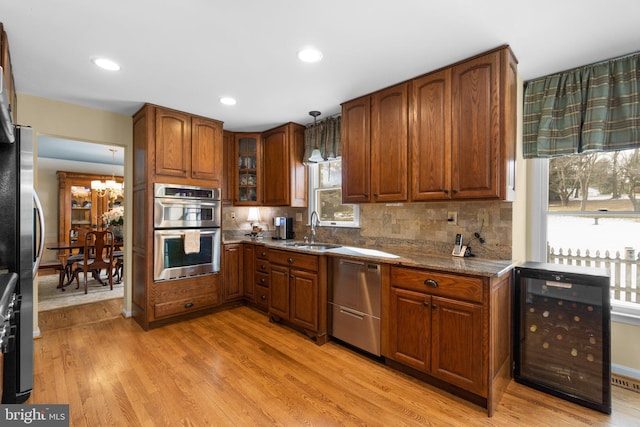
375	135
232	286
298	292
285	177
262	277
248	272
451	327
456	125
248	167
188	149
483	126
228	167
7	74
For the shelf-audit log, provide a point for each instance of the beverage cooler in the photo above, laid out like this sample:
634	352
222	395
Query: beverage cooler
562	342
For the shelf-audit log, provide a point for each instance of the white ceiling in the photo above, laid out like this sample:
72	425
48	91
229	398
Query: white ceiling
186	54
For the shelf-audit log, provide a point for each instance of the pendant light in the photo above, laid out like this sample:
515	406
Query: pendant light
316	155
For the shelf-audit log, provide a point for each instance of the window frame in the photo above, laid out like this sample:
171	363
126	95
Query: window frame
313	170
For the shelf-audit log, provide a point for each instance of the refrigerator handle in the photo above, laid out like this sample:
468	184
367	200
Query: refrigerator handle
40	213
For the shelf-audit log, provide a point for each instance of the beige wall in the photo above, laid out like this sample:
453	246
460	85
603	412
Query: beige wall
53	118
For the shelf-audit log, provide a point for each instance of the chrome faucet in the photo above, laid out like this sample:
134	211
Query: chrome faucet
314	224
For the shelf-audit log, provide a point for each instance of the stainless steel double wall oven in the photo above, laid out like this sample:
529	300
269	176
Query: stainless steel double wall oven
187	231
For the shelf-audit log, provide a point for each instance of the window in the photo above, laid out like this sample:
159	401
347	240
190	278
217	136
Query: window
593	219
325	196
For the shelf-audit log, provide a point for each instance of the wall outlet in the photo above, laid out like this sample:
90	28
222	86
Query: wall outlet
298	216
452	218
233	215
483	218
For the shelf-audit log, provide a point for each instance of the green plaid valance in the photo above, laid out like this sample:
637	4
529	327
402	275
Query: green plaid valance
591	108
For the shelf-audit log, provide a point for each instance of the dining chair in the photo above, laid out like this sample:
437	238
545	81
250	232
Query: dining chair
98	254
77	234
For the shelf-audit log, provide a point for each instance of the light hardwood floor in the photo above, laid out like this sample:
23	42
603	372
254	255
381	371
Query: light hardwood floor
236	368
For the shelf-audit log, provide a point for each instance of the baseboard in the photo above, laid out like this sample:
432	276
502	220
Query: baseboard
127	313
624	377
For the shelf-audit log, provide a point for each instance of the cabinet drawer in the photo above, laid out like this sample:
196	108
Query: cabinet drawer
262	266
294	259
262	279
441	284
261	252
262	297
185	305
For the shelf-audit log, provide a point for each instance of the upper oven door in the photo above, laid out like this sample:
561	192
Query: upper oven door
187	213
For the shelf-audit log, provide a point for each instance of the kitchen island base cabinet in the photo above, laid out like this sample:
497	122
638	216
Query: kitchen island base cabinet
298	292
455	329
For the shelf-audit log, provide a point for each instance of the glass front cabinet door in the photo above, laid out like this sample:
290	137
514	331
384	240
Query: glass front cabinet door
249	170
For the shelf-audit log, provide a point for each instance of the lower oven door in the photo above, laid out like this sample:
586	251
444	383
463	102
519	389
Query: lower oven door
172	262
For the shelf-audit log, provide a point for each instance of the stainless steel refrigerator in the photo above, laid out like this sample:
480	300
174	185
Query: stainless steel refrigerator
20	221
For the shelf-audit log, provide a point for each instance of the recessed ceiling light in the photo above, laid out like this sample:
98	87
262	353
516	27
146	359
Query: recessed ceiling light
309	54
227	100
106	64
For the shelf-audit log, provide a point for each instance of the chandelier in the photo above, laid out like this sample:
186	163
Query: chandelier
113	188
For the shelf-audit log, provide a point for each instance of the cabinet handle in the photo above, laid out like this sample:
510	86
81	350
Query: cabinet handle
366	195
454	191
263	297
262	280
264	267
292	276
426	304
431	283
188	305
434	306
446	191
290	260
375	194
263	254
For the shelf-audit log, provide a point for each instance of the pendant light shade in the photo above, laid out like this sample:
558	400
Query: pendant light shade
316	155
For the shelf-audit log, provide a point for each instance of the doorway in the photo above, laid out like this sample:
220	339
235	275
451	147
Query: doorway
78	158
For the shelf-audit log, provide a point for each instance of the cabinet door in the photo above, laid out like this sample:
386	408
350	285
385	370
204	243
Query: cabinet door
389	137
304	299
276	183
232	286
248	167
298	170
279	291
228	167
173	143
206	150
431	137
410	328
456	354
475	145
248	272
356	154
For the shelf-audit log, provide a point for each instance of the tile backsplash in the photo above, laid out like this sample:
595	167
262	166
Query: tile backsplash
421	227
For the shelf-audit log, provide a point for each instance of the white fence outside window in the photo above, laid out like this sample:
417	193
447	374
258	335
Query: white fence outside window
625	274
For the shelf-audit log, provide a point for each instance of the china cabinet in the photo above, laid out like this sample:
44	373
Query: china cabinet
78	205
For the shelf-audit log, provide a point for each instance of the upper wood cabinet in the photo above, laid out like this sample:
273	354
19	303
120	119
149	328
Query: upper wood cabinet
228	171
188	148
457	128
374	154
430	137
269	170
356	150
7	74
481	110
285	177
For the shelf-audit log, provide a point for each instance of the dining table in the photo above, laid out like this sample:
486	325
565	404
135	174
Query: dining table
65	250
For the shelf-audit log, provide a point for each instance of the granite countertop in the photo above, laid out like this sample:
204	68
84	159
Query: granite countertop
395	256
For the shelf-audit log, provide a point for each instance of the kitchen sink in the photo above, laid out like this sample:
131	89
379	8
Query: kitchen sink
318	246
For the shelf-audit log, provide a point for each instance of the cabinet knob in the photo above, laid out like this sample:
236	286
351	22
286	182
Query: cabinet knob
426	304
375	194
446	191
188	305
431	283
264	267
454	191
263	254
290	260
263	297
292	276
262	280
366	195
434	306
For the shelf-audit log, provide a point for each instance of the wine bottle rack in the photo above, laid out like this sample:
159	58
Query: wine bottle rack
562	342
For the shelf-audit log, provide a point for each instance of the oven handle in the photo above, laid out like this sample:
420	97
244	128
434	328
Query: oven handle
188	202
180	231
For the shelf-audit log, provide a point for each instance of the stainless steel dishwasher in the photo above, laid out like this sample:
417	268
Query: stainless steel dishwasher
354	303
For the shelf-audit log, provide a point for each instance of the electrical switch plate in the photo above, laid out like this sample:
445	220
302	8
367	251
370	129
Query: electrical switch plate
452	218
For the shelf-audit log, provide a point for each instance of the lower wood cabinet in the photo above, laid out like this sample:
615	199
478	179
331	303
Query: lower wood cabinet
248	272
298	292
182	296
453	328
232	286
